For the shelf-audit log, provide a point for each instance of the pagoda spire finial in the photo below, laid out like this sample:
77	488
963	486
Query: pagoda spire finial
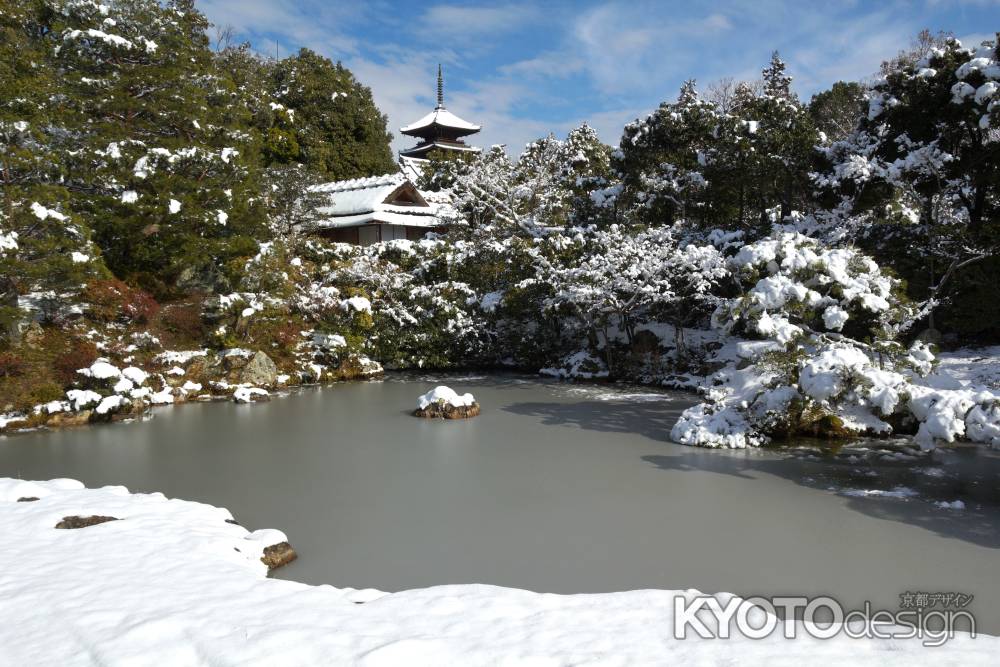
440	89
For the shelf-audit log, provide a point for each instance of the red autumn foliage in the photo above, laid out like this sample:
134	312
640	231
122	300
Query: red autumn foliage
81	354
115	301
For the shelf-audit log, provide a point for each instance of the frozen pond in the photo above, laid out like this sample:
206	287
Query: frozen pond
555	487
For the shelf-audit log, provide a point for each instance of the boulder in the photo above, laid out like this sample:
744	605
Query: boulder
208	279
357	366
235	358
277	555
447	411
32	334
645	342
259	371
445	403
250	395
62	419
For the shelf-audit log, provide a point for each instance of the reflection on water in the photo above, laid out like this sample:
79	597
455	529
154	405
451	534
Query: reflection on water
556	487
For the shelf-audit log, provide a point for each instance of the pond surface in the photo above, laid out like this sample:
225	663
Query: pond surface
555	487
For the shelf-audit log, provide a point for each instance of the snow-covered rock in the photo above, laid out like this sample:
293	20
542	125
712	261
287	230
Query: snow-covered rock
357	303
101	370
250	394
446	403
445	395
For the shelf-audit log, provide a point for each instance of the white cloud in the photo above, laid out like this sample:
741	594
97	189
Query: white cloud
466	22
306	23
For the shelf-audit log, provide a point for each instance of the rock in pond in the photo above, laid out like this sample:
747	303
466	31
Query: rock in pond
278	555
250	395
444	403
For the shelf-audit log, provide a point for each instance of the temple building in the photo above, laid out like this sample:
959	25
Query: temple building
364	211
438	130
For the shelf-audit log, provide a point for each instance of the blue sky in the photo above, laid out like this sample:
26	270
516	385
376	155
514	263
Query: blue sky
527	68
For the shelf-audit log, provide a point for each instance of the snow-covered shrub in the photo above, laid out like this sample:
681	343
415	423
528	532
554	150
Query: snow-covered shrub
827	363
617	279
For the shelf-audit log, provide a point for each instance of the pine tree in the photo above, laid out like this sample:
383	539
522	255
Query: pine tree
662	161
292	203
836	111
44	248
777	84
162	162
776	137
338	130
922	171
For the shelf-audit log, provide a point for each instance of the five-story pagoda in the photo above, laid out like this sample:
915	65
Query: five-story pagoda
440	130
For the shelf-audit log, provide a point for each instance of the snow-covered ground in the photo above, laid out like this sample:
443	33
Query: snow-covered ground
970	367
173	583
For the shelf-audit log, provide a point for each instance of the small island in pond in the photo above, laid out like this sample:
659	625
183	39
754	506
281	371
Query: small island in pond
444	403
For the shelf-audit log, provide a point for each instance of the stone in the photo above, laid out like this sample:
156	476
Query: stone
645	342
356	367
278	555
259	371
208	279
62	419
74	522
447	411
235	358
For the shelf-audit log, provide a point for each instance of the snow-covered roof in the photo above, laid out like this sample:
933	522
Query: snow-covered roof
424	219
443	118
359	195
391	199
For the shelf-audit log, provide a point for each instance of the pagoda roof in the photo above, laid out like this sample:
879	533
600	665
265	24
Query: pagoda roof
440	117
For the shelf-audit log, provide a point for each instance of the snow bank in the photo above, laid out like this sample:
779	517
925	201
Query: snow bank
173	583
446	396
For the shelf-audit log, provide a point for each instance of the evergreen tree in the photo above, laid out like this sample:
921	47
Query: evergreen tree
922	171
662	160
43	247
291	200
777	84
338	131
836	111
782	138
162	160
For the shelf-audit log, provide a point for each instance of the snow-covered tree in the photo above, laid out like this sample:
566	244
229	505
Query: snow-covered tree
924	165
548	186
44	248
160	167
615	278
662	160
818	353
